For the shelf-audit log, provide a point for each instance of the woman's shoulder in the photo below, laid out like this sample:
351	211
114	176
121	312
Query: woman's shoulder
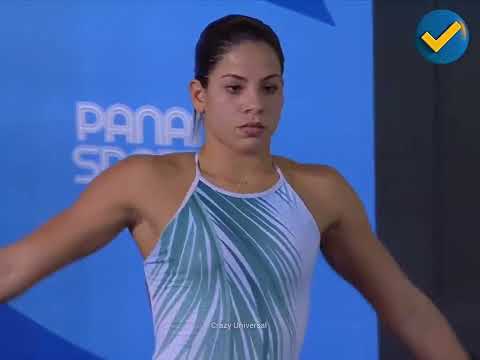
307	171
156	170
176	164
320	182
311	178
316	184
173	161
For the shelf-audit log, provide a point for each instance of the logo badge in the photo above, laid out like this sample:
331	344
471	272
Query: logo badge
442	36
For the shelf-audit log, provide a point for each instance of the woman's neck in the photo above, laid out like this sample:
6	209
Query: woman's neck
235	168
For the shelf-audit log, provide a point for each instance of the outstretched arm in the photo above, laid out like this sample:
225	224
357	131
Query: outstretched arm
103	209
353	250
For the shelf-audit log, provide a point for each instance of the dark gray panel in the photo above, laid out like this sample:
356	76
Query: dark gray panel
460	120
427	157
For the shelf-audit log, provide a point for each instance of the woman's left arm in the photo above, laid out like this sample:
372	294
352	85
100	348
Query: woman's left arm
353	250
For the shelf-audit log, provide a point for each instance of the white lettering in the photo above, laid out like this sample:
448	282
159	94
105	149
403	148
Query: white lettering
84	127
92	119
149	111
112	129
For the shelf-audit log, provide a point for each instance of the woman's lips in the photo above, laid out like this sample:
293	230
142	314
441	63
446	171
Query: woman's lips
252	131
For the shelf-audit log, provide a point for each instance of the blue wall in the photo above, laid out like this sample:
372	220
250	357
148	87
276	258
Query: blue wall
77	80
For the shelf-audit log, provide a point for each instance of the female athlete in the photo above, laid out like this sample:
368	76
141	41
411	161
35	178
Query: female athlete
230	233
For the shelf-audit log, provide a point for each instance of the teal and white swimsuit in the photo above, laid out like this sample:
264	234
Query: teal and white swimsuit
230	275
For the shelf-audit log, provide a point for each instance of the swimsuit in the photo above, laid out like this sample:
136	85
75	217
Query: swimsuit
230	276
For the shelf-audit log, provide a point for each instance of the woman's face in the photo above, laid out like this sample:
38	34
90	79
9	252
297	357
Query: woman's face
245	86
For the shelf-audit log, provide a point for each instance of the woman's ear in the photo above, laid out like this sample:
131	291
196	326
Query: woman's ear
197	94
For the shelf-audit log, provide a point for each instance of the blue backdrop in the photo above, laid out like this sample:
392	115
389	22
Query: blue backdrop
85	84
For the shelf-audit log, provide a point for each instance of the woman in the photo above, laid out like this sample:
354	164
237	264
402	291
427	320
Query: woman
230	234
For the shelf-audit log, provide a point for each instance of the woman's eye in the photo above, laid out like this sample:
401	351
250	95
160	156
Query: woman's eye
271	89
233	87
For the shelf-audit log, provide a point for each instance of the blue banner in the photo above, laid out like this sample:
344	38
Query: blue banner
85	84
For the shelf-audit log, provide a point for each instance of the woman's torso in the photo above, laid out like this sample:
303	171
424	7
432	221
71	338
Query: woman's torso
166	185
228	273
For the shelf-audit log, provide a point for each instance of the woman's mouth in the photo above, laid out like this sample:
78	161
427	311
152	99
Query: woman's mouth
252	131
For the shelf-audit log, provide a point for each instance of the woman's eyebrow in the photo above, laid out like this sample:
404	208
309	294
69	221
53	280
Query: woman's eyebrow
245	79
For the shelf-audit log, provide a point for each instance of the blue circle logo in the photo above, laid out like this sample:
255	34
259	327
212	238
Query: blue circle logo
442	37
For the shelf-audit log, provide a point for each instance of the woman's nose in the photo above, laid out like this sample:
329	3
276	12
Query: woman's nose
253	102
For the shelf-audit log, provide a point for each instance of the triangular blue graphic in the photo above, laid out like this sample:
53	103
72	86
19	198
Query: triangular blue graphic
22	339
313	8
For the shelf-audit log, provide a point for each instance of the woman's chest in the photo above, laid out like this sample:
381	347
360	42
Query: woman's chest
292	210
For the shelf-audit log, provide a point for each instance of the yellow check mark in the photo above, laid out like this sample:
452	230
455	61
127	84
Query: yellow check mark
437	44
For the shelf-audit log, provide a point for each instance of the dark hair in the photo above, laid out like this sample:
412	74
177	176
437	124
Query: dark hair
220	36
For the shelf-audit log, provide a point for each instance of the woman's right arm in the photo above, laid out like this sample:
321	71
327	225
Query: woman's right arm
99	214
